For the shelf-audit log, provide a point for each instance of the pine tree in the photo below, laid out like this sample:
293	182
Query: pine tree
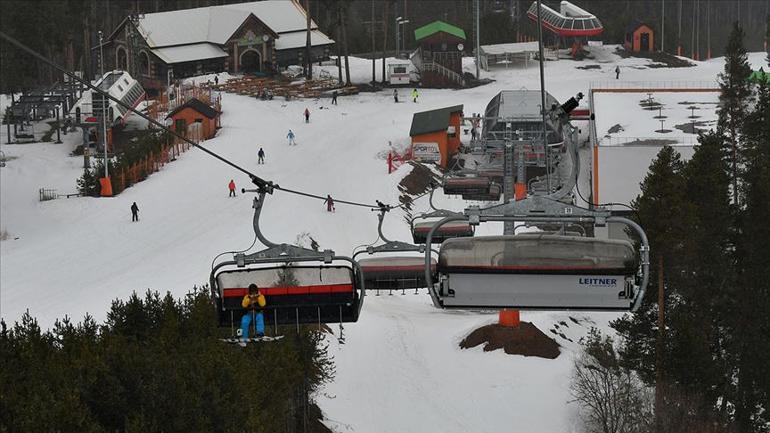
751	324
697	321
736	96
664	213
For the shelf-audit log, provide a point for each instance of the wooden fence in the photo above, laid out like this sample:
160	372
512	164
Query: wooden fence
152	163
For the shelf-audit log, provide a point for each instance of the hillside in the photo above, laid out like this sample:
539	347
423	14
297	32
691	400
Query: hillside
401	369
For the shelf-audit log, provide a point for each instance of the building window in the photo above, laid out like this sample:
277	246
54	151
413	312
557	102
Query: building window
121	59
144	63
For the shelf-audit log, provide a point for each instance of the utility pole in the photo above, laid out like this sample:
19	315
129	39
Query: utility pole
374	79
679	32
105	106
476	22
308	44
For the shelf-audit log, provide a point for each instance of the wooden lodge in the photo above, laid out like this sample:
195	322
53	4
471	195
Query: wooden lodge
440	54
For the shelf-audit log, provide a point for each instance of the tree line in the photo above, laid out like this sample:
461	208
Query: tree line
156	365
700	338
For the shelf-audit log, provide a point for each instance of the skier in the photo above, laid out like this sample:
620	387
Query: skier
473	133
253	302
617	72
307	115
334	97
232	188
261	156
290	136
216	80
329	203
395	96
415	95
134	212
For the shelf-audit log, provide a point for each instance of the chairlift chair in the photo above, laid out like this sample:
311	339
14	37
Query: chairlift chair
466	185
296	290
539	271
393	273
453	229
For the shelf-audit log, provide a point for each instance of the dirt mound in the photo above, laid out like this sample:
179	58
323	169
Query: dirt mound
525	340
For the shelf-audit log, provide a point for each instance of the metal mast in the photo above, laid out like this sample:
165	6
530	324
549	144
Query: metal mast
542	97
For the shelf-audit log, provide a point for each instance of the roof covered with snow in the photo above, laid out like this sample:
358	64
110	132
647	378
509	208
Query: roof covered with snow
298	39
216	24
512	48
187	53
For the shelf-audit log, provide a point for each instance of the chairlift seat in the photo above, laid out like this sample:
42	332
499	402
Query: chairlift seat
466	185
395	273
452	229
491	194
294	294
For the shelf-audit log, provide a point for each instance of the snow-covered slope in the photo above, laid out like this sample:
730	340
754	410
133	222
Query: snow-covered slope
401	369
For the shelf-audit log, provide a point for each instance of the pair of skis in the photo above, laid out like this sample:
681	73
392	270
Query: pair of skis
245	341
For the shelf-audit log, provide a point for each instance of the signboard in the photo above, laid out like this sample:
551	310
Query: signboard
250	38
426	152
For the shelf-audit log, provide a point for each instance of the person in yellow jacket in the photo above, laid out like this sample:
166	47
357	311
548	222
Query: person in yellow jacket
253	302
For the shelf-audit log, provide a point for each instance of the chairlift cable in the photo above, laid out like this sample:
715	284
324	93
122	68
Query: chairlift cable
261	183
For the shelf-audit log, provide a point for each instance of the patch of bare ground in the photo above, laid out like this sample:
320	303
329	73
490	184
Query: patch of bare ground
416	183
525	340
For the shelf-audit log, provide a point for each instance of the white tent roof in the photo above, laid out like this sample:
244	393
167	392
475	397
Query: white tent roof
512	48
187	53
299	39
216	24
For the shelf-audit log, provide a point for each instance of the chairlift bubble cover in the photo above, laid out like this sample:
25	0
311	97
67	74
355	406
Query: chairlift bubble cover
538	253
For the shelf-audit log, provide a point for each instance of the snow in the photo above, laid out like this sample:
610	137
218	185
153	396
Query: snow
639	123
186	53
401	369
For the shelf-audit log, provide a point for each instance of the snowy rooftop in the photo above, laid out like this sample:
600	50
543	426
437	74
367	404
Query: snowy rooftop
298	39
512	48
631	118
215	24
186	53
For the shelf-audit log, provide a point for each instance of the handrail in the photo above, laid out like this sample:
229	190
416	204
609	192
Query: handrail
658	85
610	141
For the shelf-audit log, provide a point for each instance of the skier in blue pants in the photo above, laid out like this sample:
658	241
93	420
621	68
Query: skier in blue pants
253	302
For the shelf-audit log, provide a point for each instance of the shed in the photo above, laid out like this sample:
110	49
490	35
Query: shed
506	54
436	134
195	117
440	54
639	37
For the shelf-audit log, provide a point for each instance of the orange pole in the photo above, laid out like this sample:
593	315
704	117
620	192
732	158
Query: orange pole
509	318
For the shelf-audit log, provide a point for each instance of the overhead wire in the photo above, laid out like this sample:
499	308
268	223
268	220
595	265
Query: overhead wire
261	183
